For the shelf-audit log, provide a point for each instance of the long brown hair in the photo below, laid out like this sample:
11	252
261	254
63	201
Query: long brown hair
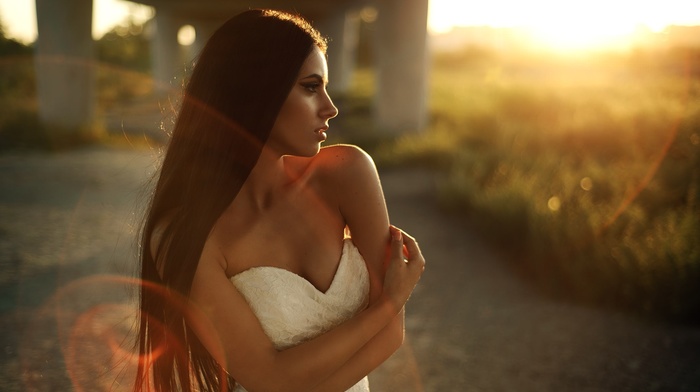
236	89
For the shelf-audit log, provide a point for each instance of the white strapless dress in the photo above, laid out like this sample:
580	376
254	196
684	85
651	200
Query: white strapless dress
291	310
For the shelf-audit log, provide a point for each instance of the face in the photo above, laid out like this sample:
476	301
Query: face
302	122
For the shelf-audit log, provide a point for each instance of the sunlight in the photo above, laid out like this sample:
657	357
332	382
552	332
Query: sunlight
572	35
584	26
566	25
108	13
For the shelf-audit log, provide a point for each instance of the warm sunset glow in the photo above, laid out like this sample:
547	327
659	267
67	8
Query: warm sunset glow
561	24
580	34
566	25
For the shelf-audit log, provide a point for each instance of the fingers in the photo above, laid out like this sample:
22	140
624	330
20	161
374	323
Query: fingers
396	243
402	274
409	246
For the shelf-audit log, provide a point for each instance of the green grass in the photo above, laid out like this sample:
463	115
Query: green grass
586	170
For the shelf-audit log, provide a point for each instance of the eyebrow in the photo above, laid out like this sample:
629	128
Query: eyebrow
315	76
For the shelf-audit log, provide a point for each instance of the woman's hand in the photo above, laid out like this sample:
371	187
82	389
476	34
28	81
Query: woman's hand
404	269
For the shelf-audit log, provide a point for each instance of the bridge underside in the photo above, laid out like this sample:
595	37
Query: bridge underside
64	52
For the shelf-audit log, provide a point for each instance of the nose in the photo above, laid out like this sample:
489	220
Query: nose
328	109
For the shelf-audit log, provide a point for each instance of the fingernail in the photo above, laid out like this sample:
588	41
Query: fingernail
397	235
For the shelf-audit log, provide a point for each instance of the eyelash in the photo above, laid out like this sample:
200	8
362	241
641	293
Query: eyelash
311	87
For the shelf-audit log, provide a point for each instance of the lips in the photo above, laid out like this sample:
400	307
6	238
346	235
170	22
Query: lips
322	133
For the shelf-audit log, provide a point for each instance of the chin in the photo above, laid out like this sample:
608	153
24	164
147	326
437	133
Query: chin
313	152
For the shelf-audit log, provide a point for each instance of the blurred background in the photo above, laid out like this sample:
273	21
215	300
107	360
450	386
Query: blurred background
560	138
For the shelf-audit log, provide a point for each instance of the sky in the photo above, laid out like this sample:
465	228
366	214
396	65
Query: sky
572	20
558	14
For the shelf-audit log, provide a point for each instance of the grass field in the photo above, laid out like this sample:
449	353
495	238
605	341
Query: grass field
586	169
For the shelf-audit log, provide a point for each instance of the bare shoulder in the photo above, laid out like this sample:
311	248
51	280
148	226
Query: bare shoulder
344	176
347	175
344	162
334	166
343	152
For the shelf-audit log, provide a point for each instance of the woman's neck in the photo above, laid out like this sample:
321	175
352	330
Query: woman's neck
265	181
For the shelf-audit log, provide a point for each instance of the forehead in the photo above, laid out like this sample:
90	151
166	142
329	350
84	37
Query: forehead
315	63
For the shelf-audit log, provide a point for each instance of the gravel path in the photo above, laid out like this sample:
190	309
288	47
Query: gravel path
67	223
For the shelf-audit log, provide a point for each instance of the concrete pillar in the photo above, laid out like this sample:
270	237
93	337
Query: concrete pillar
342	28
401	65
64	65
168	67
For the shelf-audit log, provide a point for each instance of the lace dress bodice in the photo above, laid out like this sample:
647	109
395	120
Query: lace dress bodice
292	310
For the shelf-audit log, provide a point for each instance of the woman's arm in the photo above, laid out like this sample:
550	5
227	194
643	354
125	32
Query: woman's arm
341	357
374	352
361	202
231	332
352	180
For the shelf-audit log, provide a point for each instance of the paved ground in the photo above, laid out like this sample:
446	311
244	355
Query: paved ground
67	223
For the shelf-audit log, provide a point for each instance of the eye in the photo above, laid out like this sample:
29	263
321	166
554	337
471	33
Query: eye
311	86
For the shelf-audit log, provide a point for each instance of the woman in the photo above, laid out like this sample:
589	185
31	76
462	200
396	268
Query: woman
249	278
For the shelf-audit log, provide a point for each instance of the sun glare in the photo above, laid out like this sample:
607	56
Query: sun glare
571	35
567	24
584	26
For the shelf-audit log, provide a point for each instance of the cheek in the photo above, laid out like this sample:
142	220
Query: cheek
297	109
287	119
286	112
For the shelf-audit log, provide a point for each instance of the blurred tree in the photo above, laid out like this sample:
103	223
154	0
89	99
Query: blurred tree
19	122
17	72
126	46
11	47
